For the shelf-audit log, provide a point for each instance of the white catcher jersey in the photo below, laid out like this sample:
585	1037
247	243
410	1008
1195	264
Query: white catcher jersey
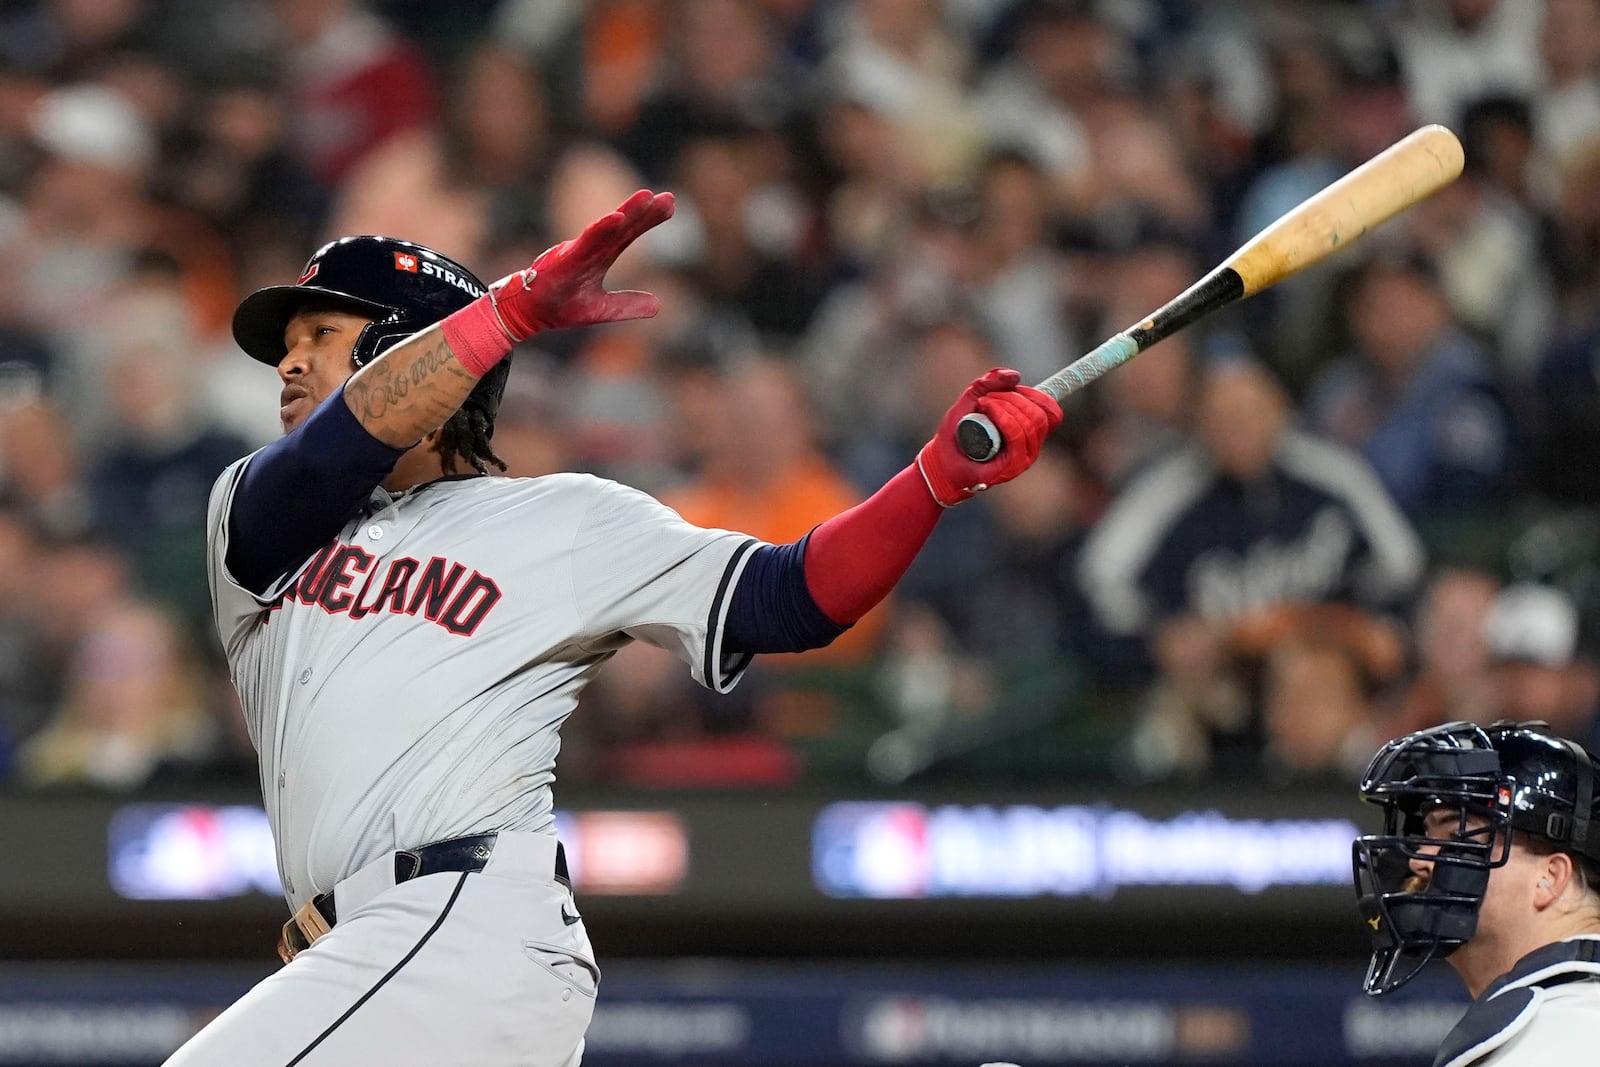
408	682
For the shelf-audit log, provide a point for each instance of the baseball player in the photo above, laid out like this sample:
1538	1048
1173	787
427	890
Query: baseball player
1490	857
407	636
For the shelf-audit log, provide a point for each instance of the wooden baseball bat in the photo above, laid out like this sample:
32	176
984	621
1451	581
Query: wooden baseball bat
1408	171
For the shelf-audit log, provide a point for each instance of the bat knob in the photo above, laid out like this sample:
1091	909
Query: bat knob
978	438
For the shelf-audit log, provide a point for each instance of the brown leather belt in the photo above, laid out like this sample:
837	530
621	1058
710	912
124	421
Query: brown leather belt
317	915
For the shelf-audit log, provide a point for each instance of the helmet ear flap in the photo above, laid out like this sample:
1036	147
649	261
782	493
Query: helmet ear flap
380	335
1583	802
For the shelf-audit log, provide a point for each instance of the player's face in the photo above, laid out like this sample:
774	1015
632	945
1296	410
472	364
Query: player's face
317	362
1440	824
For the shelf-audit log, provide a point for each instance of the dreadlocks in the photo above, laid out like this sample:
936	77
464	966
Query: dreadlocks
466	437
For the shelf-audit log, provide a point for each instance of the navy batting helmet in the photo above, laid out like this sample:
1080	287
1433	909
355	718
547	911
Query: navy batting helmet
1490	781
404	286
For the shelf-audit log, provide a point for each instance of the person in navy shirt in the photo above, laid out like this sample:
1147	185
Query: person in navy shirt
1212	552
1418	397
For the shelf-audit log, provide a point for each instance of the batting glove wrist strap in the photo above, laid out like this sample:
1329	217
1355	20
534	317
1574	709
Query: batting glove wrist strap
944	493
476	334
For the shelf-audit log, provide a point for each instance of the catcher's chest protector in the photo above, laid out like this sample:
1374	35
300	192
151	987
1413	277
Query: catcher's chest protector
1510	1008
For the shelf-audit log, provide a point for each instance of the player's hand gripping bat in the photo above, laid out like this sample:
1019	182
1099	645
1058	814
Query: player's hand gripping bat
1409	171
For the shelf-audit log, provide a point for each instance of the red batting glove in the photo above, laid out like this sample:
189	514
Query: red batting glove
565	286
1023	415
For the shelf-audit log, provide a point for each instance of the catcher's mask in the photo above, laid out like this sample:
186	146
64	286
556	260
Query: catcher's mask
1479	785
404	286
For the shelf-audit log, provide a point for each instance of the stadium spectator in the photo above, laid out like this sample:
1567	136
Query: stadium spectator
1015	273
133	707
159	451
1538	669
1032	99
718	69
1457	50
1418	397
40	470
1450	673
1028	613
473	180
1566	108
353	83
740	233
27	687
1490	250
900	58
1317	709
1251	519
1145	408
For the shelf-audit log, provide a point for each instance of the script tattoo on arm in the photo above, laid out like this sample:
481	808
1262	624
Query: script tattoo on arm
409	391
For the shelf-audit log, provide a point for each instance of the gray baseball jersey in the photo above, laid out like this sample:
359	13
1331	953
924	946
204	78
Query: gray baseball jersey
407	684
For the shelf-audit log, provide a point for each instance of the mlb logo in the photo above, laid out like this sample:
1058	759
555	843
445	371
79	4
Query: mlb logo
311	272
405	261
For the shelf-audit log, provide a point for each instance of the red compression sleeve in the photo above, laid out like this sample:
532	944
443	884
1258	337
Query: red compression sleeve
476	337
855	558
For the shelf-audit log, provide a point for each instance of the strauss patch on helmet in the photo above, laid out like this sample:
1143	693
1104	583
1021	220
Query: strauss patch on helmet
450	277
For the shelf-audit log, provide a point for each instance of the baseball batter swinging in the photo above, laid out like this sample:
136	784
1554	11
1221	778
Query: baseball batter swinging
407	635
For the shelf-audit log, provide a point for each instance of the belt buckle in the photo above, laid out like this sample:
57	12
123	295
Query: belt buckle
304	927
291	942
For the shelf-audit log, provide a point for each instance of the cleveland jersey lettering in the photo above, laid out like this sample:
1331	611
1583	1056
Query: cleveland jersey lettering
440	590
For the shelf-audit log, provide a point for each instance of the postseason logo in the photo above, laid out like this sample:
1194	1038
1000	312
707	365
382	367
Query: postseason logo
412	263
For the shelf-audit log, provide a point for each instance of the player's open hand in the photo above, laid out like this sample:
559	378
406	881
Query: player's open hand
1023	415
565	286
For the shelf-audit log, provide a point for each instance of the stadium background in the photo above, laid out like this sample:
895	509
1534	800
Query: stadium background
998	821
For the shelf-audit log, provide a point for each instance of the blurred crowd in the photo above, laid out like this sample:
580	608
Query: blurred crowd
1362	502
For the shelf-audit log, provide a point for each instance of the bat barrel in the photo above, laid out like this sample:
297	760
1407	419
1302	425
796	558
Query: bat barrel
1408	171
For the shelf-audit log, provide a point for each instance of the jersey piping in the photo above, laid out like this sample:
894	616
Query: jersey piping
369	994
716	625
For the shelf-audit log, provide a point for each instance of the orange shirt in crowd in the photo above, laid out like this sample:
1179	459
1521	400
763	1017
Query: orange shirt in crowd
785	509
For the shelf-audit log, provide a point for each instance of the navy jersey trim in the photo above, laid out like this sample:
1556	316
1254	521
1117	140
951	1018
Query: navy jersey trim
772	609
714	622
368	995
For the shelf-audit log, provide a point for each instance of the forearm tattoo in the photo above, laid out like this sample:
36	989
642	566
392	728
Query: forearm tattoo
411	390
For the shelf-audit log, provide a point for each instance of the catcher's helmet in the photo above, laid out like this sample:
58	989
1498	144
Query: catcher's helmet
403	285
1491	781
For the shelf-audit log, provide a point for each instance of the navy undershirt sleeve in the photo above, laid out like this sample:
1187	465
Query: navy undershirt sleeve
772	609
297	493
